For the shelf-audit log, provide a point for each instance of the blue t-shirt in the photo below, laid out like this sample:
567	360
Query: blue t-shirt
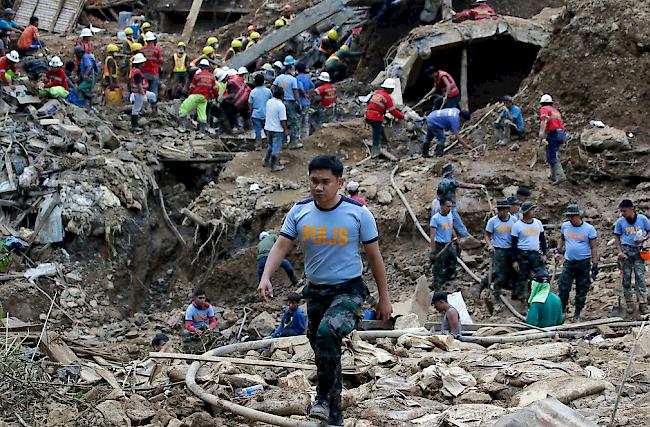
446	119
258	99
291	324
628	231
87	65
577	240
4	24
517	118
198	317
500	231
288	83
444	225
528	234
304	86
330	239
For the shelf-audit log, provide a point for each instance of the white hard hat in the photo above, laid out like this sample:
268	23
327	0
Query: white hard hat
232	72
324	77
242	70
204	62
278	64
225	68
267	67
352	186
13	56
545	99
220	74
86	32
139	59
56	62
480	1
264	235
388	84
149	36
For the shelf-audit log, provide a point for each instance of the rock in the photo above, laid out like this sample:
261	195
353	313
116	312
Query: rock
58	415
107	138
473	397
371	191
74	277
470	242
369	181
139	409
295	380
509	191
175	423
230	316
514	147
264	325
600	139
407	322
199	419
114	413
384	197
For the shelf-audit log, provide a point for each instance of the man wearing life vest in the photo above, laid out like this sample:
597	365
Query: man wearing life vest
325	98
481	11
381	103
252	39
202	88
140	92
144	29
236	46
287	14
129	60
445	88
207	53
55	83
552	133
128	42
337	64
8	68
235	100
110	72
84	42
180	68
151	68
329	44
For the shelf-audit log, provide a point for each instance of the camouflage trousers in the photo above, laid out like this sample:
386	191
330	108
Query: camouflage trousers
530	266
332	313
444	267
634	265
580	272
502	271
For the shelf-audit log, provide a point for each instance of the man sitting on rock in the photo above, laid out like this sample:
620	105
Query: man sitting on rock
199	316
545	306
293	319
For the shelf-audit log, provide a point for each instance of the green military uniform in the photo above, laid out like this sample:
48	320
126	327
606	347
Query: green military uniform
444	266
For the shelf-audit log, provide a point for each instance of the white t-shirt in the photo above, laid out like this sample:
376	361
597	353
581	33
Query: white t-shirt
275	113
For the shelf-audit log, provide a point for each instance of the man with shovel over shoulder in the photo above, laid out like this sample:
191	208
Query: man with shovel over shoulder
443	251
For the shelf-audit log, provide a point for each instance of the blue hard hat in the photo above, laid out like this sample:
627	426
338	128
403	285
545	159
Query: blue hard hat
289	60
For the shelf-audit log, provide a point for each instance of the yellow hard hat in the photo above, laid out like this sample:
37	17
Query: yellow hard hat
146	25
279	23
212	41
333	34
136	47
128	31
208	50
181	44
236	43
345	48
254	35
112	48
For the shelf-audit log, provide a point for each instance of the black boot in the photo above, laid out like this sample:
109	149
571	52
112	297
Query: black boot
154	108
425	149
134	121
440	150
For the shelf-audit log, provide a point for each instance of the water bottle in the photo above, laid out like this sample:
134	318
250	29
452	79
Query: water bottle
640	235
249	391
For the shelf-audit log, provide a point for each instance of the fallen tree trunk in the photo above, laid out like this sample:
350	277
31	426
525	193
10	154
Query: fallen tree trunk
570	326
501	339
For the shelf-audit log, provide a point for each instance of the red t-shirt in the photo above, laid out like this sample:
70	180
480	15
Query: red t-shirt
553	118
359	199
56	78
154	59
327	93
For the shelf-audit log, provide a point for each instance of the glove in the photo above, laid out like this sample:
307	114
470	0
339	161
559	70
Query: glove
594	271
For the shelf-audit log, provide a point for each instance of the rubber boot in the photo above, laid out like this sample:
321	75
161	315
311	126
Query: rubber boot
425	149
576	316
440	150
202	127
375	152
266	159
182	125
275	164
553	176
154	108
643	308
134	122
629	307
559	173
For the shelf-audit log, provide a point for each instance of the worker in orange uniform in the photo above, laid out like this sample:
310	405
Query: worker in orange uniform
325	98
8	68
381	103
110	72
236	46
479	12
202	88
552	133
151	68
180	67
235	101
445	88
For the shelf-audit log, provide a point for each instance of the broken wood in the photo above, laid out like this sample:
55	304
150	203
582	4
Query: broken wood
626	373
503	339
169	221
233	360
57	350
191	20
606	331
193	217
581	325
464	103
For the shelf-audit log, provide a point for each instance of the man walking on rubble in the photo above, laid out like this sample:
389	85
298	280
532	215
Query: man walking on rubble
498	239
379	104
267	240
331	229
552	133
479	12
289	85
151	68
447	190
528	251
443	251
140	92
580	259
631	230
202	88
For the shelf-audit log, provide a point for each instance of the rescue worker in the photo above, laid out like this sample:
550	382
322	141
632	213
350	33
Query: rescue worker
275	126
236	46
206	53
442	252
268	72
287	14
631	230
267	240
55	83
110	72
451	320
510	122
8	68
289	84
335	291
329	44
552	133
180	66
202	88
213	42
252	39
479	12
444	87
337	64
127	44
499	243
580	259
528	251
88	73
545	307
305	88
515	205
140	92
129	66
151	68
439	122
235	101
325	98
279	52
447	190
379	104
142	36
84	41
258	98
352	188
251	29
216	115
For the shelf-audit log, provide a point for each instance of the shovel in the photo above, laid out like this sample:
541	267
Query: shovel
617	310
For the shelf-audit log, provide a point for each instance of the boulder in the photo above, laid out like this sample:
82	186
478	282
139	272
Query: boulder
114	413
384	197
199	419
608	138
264	325
107	138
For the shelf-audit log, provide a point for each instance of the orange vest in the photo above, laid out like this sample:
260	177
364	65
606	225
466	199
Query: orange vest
241	90
107	72
144	84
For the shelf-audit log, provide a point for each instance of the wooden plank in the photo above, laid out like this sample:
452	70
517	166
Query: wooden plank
606	331
191	19
464	96
233	360
57	350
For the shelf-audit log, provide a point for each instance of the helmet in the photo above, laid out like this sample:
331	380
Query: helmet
251	28
289	60
149	36
546	98
278	64
480	1
139	59
128	31
220	74
232	72
56	62
146	25
208	50
181	44
333	34
135	47
324	77
264	235
236	44
388	84
212	41
279	23
242	70
267	67
255	35
9	12
345	48
13	56
112	48
204	62
86	32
